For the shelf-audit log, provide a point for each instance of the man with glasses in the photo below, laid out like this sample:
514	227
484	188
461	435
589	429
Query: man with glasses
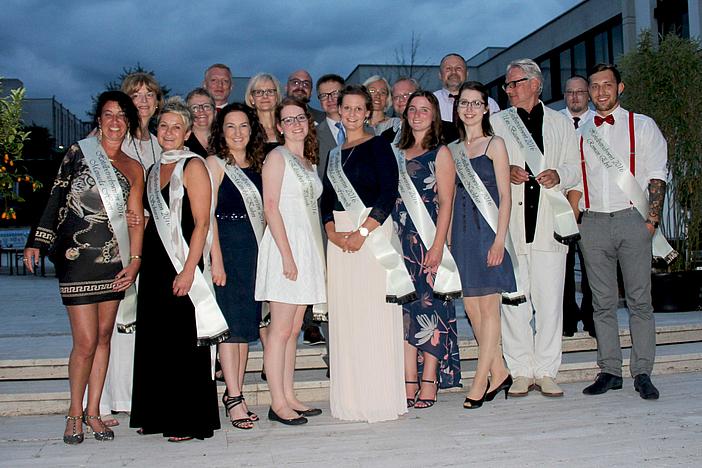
578	111
330	132
533	131
402	89
218	81
299	86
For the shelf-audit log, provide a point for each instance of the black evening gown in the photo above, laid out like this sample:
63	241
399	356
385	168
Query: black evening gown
174	393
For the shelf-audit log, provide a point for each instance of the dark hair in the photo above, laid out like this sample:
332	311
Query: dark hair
356	90
330	77
479	87
452	54
600	67
311	145
433	138
254	148
125	103
577	76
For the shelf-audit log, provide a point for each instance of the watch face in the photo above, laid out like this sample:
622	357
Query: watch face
363	231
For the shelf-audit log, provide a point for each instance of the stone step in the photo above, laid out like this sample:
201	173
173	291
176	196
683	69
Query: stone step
313	358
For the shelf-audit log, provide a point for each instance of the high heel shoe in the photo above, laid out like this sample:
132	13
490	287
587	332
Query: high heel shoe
252	416
427	403
475	404
232	402
489	396
412	401
74	438
105	434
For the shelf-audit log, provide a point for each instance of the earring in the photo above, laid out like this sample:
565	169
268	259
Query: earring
100	133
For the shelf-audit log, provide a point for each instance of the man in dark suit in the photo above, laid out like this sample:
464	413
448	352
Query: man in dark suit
299	85
330	132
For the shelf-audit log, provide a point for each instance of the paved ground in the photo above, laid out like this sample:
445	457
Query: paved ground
616	429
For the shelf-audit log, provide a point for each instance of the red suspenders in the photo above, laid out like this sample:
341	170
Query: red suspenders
632	158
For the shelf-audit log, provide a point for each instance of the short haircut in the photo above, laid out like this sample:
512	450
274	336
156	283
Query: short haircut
175	105
132	82
125	103
330	77
530	68
433	137
254	148
373	79
218	65
255	80
452	54
600	67
485	122
414	82
200	92
576	77
356	90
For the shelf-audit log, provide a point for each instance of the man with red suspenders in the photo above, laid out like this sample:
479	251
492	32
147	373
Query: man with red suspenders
624	157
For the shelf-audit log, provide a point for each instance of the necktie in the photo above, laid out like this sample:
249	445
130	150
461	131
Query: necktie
599	120
453	96
341	136
576	122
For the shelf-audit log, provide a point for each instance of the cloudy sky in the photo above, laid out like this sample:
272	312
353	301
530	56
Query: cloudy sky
70	48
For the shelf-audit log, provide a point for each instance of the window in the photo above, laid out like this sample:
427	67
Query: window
545	66
601	48
566	67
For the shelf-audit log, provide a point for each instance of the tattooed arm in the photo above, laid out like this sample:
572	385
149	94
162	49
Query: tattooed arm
656	195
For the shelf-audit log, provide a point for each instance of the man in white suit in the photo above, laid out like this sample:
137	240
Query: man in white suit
534	355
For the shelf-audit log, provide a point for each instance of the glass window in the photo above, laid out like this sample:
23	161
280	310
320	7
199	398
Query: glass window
601	48
546	72
566	67
617	42
579	59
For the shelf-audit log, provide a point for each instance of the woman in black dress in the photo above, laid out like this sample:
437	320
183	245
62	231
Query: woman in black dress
78	231
174	393
237	143
202	105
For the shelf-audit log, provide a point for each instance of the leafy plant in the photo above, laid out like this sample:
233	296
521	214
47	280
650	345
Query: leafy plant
12	139
665	83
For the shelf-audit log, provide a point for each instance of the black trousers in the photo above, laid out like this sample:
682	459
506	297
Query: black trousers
572	313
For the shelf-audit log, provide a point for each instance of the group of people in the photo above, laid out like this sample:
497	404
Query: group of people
242	221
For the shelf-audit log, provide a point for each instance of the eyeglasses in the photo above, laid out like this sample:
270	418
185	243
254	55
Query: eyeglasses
463	103
382	92
573	92
289	121
513	84
304	83
264	92
325	96
401	97
201	108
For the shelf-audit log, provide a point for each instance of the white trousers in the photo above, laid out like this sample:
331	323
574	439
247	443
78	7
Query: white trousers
536	352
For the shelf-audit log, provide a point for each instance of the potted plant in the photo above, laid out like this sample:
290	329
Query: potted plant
665	83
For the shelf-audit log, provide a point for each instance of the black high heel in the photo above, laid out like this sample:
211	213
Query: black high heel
252	416
231	403
412	401
489	396
475	404
424	401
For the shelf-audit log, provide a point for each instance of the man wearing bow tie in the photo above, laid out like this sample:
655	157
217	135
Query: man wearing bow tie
613	230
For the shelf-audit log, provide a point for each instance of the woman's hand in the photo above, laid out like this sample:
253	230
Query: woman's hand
289	268
433	257
339	239
127	276
31	258
219	277
496	253
182	283
354	242
133	218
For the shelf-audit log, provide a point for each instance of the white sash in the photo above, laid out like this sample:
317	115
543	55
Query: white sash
113	201
211	326
625	180
565	225
398	284
306	180
447	284
488	209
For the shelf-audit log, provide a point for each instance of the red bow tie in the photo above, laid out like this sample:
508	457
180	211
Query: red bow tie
599	120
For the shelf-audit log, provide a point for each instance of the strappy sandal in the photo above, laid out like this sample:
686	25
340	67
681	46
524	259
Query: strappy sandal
411	401
75	437
105	434
179	439
252	416
426	403
231	403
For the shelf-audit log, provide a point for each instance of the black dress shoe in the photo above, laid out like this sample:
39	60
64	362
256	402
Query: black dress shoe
309	412
603	383
646	389
568	332
272	416
313	336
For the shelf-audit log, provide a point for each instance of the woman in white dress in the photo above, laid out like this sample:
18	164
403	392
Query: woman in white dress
290	270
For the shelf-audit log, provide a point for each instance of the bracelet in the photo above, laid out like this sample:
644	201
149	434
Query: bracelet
135	257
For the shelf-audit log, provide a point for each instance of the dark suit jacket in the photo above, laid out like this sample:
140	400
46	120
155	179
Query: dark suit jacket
317	115
326	140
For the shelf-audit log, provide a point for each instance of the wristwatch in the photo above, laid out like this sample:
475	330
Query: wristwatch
655	224
363	231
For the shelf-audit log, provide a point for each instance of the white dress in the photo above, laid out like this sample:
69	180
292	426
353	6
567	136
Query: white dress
310	286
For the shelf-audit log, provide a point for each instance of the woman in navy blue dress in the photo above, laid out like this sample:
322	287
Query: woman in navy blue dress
429	322
237	141
485	268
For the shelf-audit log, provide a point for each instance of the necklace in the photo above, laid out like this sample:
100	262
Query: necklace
136	150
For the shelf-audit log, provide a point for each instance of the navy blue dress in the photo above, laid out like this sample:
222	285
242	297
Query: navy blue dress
472	238
429	323
239	253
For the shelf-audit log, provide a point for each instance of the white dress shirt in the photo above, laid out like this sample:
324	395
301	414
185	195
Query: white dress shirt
446	104
589	114
650	160
333	128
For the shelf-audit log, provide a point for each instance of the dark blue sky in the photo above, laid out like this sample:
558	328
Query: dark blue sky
70	48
